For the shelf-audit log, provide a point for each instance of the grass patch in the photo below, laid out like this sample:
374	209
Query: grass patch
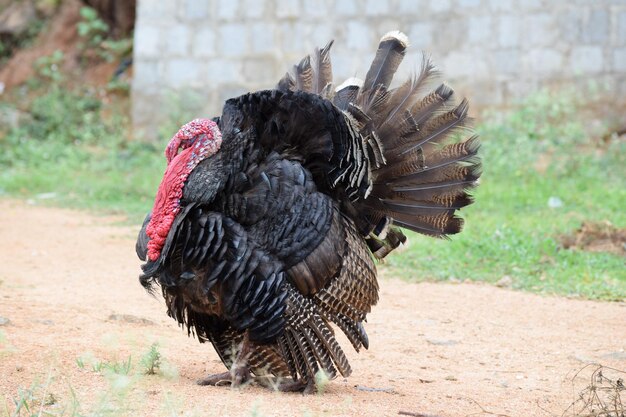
105	387
121	389
69	153
150	363
543	178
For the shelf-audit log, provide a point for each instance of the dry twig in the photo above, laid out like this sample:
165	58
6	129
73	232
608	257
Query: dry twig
408	413
602	397
483	411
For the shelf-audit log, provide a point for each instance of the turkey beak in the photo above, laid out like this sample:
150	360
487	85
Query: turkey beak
176	145
172	149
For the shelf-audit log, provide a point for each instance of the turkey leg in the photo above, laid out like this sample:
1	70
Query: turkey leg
239	372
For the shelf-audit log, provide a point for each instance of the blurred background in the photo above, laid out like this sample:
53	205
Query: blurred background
494	51
91	90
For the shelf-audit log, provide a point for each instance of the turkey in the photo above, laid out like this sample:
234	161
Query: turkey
268	221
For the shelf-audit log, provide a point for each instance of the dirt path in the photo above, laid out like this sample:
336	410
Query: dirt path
436	349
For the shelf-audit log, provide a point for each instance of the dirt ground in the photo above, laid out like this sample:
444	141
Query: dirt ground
67	277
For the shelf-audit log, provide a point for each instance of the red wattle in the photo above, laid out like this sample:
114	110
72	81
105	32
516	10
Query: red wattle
166	203
201	138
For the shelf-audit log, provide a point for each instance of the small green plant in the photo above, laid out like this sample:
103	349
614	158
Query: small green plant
151	361
255	411
48	67
97	366
321	381
74	405
96	42
91	28
80	362
119	368
119	86
54	399
112	48
37	400
115	367
25	401
88	360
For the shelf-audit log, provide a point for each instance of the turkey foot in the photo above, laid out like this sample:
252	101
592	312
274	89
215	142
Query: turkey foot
310	388
216	379
239	372
237	376
298	386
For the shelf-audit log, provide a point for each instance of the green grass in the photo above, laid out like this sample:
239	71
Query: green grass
68	153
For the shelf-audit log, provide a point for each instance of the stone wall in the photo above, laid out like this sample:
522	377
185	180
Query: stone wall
195	54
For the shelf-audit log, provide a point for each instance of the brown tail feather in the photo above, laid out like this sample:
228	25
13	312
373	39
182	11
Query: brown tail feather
304	74
388	57
313	74
434	193
437	128
287	83
402	126
405	96
320	352
348	327
431	103
427	171
436	226
442	169
323	71
374	101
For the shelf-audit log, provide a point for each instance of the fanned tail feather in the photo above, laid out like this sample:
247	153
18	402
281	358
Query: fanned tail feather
420	171
427	171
